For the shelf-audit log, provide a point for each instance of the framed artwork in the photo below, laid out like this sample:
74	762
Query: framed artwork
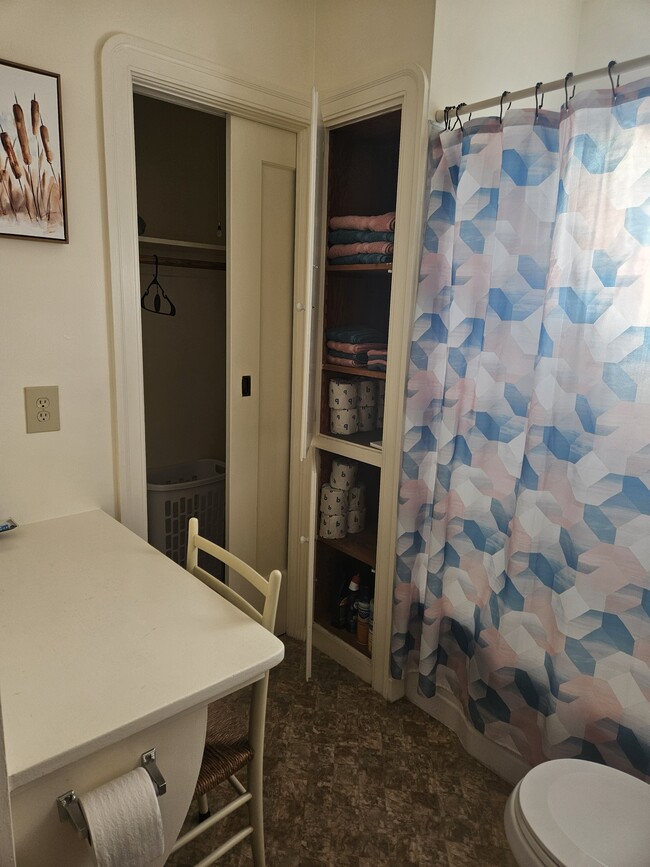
32	180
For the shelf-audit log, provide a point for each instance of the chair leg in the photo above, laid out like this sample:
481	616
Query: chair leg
204	809
256	810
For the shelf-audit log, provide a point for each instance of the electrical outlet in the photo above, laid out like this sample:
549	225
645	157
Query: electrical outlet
42	408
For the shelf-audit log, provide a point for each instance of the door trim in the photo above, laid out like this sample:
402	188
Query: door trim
132	64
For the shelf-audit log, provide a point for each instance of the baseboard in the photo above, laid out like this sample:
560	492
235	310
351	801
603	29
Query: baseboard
446	708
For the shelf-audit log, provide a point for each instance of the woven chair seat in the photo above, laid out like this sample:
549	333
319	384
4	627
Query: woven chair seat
226	751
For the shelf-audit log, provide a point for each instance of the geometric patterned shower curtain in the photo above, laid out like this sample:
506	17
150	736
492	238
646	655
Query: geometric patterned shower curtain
522	583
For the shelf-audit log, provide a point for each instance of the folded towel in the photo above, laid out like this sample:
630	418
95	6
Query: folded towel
377	353
355	334
345	362
354	347
377	223
356	356
363	259
354	236
339	250
376	364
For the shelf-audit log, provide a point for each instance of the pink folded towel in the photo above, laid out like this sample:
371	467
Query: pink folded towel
338	250
378	223
345	362
354	348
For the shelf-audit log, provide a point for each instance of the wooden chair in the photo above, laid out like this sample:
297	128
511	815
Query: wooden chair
228	748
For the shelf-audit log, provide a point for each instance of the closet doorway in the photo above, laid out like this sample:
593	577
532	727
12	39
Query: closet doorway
216	205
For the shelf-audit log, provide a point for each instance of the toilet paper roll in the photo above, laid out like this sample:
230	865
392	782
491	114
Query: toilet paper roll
357	497
333	501
343	474
342	394
367	417
344	421
356	520
332	526
380	413
381	388
367	392
124	820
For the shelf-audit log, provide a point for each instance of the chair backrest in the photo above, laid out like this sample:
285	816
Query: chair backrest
270	589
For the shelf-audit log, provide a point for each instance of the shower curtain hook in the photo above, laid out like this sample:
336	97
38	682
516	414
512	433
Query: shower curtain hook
566	90
447	110
503	96
610	66
538	105
460	123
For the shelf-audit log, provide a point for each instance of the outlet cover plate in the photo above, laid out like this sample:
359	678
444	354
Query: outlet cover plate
42	408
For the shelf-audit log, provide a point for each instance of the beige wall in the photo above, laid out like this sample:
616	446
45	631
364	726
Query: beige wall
357	39
483	48
613	30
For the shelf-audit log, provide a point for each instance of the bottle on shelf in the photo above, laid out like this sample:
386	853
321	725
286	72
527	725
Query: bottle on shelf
363	615
371	624
353	595
340	612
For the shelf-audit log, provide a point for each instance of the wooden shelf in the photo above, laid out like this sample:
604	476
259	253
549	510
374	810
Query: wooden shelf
356	451
386	266
355	371
343	635
190	245
362	546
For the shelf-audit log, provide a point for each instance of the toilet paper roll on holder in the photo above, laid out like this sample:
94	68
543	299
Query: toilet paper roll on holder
70	809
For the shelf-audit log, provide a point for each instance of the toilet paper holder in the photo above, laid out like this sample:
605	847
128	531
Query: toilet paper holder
70	809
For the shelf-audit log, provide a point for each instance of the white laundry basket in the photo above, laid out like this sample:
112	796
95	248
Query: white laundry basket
175	494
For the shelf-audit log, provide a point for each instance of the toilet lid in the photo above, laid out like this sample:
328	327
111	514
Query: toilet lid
587	815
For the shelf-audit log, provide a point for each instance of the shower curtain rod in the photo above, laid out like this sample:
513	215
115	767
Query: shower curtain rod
617	69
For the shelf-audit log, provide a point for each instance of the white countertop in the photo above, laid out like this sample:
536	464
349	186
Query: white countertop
101	636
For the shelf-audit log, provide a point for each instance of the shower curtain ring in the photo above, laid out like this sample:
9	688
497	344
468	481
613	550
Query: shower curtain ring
566	89
460	123
610	66
538	105
503	96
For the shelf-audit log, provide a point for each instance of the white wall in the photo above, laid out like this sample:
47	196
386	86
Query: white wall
54	299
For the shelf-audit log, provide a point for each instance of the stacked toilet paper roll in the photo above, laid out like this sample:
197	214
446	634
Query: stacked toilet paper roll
124	820
343	401
335	499
356	521
381	391
367	404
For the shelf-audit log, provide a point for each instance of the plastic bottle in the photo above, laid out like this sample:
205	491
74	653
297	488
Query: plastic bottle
340	612
371	623
363	615
353	594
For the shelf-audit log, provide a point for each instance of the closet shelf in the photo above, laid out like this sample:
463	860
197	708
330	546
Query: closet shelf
356	447
182	254
362	546
355	371
387	267
190	245
342	635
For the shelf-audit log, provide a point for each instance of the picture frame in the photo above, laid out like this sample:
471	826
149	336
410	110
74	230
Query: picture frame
33	202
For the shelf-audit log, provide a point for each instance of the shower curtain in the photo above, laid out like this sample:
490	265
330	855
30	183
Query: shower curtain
522	579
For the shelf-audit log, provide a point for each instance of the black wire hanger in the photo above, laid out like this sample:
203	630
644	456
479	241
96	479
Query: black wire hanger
160	300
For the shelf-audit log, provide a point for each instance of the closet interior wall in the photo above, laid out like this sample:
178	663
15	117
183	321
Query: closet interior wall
180	167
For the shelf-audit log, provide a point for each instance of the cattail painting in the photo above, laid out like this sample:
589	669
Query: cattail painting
32	189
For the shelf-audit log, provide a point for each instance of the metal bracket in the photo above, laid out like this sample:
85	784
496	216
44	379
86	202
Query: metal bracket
70	809
148	762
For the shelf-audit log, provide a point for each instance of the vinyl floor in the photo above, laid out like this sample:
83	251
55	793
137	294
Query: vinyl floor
353	781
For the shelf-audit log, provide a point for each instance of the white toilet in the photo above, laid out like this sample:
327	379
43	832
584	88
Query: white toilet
575	813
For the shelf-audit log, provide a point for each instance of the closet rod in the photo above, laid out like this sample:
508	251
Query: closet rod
184	263
529	92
